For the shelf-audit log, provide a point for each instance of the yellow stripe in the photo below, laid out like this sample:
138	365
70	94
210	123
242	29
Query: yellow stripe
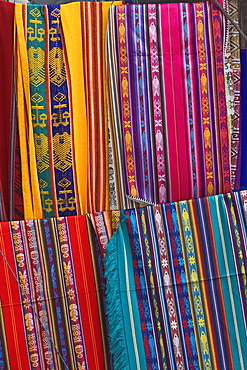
202	285
71	24
31	194
26	188
197	338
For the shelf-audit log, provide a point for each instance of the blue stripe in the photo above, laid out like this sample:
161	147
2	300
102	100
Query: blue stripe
174	285
140	286
183	294
145	246
60	113
160	284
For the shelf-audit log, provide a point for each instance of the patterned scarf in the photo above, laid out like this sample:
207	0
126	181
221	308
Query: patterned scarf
49	295
177	276
169	103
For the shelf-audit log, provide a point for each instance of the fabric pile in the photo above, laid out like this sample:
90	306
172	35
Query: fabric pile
123	201
58	126
155	116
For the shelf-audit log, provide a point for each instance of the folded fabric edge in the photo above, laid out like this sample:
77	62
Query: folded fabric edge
113	308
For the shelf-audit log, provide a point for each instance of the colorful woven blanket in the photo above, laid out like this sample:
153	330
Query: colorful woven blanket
170	113
162	122
58	104
49	310
61	65
11	203
176	293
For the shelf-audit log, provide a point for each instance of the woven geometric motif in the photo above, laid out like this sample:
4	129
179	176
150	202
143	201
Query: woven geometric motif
37	98
56	13
37	54
36	59
62	151
60	117
59	97
57	67
42	152
35	13
234	35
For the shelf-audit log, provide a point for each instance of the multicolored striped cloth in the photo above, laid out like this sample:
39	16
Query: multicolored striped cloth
174	288
49	306
243	130
169	125
11	203
79	148
231	54
61	108
176	293
6	55
158	119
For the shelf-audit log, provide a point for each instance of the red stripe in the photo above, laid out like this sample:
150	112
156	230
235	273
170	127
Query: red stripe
12	311
6	70
86	292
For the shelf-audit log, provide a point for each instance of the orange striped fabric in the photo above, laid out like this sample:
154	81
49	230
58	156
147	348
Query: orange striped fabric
49	295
